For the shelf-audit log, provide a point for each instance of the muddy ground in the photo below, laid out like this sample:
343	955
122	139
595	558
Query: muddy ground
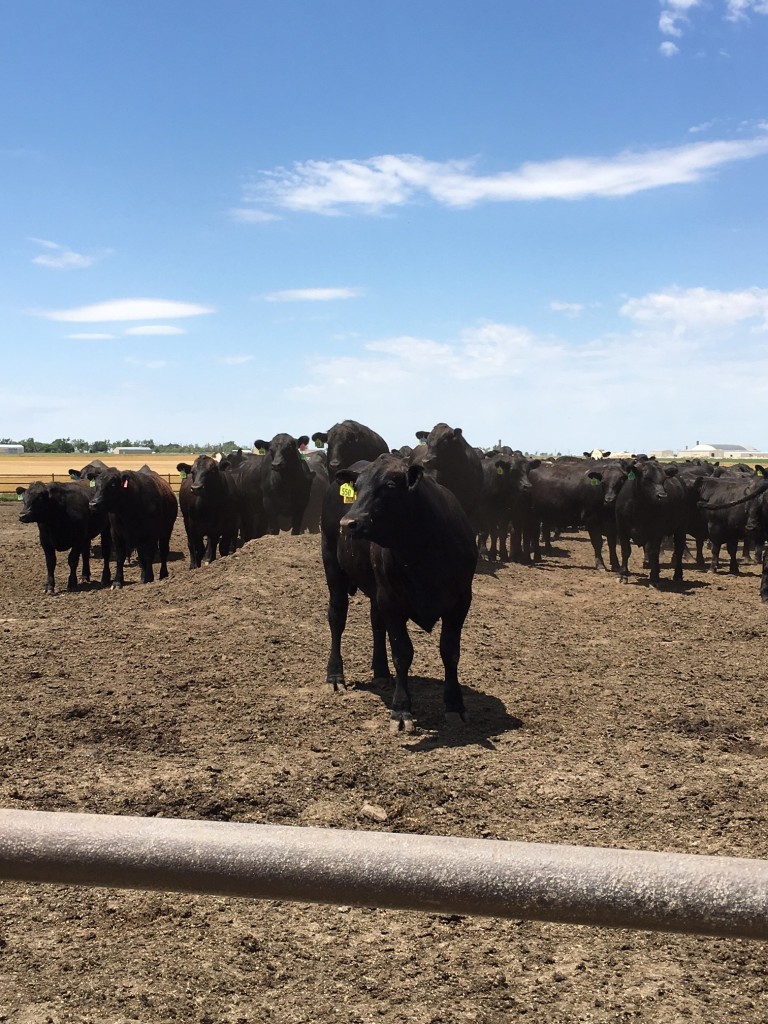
598	713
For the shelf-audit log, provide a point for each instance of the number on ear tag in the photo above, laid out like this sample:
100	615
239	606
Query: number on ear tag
500	471
318	443
91	483
347	491
262	451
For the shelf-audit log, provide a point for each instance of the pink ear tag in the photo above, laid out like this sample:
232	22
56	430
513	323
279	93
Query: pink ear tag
125	484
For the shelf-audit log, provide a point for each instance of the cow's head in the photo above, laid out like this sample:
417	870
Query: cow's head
107	490
36	502
382	499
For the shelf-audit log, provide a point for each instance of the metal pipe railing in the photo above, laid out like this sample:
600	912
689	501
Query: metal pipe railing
569	884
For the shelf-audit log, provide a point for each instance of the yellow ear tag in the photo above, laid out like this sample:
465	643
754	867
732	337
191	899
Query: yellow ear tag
499	471
318	443
347	491
182	474
91	483
20	497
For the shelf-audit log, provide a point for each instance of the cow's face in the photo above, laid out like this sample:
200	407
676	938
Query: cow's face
204	474
441	442
382	500
284	452
106	491
36	503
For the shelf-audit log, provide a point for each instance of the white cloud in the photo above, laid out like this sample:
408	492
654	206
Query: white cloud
235	360
91	337
370	186
674	19
251	215
700	309
128	309
59	257
313	294
571	309
669	49
155	329
737	10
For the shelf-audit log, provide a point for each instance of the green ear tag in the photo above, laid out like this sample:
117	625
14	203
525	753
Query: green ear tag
594	480
347	491
182	474
91	483
631	475
20	497
318	443
262	451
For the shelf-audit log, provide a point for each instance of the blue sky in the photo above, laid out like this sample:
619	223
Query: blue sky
541	220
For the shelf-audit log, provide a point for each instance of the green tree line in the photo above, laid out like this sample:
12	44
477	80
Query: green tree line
78	444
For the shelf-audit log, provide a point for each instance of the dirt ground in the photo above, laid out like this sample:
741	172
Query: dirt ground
600	714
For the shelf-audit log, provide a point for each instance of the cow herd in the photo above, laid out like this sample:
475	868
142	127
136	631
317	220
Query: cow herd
404	526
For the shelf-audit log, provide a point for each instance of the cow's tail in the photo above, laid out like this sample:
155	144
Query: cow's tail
738	501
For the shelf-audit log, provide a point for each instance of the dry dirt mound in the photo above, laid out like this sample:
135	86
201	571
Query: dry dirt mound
598	714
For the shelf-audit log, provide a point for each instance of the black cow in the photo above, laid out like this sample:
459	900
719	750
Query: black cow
88	472
66	523
286	482
407	544
504	503
349	442
651	505
317	463
454	463
142	510
209	507
564	495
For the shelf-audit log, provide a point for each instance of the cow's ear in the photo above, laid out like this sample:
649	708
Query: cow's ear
21	490
534	464
606	455
319	438
74	474
587	455
225	463
346	476
630	467
422	435
671	471
457	432
184	467
304	439
595	475
415	474
761	471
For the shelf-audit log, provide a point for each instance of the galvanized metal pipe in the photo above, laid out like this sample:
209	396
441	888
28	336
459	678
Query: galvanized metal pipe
570	884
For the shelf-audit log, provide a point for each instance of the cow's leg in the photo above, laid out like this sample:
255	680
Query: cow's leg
652	555
401	715
677	557
50	566
503	534
610	540
764	576
701	562
338	606
546	538
450	650
493	550
596	537
85	552
163	547
715	560
209	554
732	547
145	553
626	551
73	558
120	546
106	551
379	662
296	523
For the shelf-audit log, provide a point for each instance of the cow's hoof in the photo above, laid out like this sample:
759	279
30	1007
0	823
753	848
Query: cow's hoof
336	680
117	586
455	720
401	723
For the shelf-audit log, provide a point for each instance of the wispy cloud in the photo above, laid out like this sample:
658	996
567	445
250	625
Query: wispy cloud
675	19
117	310
370	186
60	257
702	310
152	330
235	360
92	337
249	215
313	294
571	309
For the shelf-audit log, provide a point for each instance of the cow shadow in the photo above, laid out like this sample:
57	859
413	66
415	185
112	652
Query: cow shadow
486	716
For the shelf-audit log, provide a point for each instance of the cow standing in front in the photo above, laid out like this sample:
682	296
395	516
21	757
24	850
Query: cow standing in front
66	523
406	542
209	507
651	505
142	510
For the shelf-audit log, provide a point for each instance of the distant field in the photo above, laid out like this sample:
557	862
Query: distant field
21	470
